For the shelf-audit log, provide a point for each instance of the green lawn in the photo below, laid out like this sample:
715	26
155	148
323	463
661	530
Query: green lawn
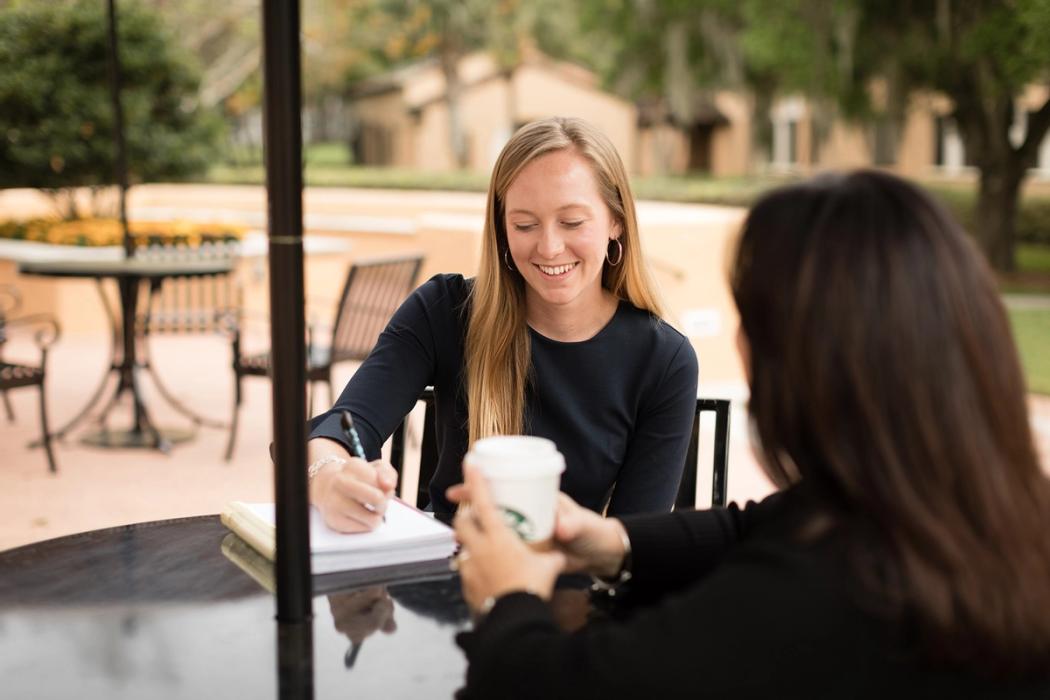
1032	332
1033	258
329	165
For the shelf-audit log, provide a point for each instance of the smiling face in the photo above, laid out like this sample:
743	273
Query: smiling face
558	231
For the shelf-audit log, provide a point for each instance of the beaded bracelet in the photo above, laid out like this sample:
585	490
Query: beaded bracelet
316	465
609	586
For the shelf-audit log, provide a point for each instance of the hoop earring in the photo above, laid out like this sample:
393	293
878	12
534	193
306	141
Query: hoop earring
619	258
506	260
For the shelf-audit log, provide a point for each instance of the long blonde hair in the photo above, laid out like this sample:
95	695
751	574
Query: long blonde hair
498	357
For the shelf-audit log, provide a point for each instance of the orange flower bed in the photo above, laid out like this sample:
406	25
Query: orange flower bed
104	232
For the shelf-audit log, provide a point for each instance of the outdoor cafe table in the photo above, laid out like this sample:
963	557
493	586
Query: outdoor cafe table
156	610
125	363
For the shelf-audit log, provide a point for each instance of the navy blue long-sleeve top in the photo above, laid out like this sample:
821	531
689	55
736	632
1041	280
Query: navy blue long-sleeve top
729	603
619	405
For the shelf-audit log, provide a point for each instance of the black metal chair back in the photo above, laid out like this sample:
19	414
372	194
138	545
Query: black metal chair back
15	375
428	455
196	304
373	291
720	468
686	498
190	303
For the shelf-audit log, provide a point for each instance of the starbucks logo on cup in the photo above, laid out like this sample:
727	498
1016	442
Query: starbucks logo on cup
523	473
519	523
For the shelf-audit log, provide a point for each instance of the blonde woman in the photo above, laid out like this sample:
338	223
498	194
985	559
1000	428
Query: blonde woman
559	336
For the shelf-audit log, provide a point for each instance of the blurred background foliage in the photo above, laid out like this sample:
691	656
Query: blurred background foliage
56	115
191	72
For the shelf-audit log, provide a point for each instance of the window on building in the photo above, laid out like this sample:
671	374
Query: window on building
785	142
1043	160
949	152
373	145
884	142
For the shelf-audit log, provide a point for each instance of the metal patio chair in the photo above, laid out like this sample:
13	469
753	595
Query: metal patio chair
186	305
15	375
686	498
373	291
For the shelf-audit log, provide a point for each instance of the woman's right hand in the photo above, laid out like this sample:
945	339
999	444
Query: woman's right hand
590	543
352	496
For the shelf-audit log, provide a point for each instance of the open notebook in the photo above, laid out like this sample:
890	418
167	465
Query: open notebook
408	536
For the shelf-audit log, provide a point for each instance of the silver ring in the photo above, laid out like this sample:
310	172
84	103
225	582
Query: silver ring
458	560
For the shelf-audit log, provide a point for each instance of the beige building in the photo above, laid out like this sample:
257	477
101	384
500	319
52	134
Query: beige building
716	140
927	144
402	118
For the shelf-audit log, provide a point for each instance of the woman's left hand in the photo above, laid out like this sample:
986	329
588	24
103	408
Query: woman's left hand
493	561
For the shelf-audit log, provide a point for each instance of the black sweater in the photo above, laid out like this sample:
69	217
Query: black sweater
619	406
744	611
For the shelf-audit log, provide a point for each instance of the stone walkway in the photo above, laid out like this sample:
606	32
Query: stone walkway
1027	301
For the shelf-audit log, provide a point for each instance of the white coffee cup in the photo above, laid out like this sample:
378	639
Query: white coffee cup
523	474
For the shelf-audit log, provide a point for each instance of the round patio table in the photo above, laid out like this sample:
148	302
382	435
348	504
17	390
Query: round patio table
125	364
158	610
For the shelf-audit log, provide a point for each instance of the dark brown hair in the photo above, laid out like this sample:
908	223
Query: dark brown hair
884	376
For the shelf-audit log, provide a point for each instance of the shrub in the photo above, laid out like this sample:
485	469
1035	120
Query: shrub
102	232
56	116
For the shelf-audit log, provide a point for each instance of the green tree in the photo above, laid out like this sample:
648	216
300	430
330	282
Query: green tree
664	54
398	31
983	54
56	116
225	37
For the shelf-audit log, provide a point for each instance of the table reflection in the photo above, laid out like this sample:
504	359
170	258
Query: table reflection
155	610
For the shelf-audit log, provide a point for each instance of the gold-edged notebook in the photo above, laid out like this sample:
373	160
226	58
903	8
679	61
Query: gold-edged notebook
409	544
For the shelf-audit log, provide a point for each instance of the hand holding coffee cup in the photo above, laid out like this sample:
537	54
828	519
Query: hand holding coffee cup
493	560
523	474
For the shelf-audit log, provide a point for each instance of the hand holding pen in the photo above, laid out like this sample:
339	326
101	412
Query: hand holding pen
355	445
341	486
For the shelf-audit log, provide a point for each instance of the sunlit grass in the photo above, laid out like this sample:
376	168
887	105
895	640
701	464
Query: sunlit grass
1032	333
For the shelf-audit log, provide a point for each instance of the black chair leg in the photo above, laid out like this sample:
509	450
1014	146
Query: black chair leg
46	439
11	411
236	414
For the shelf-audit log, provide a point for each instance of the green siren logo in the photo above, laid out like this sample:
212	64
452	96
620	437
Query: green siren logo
518	523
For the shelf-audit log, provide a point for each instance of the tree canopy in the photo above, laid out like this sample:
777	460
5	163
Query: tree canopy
982	54
56	114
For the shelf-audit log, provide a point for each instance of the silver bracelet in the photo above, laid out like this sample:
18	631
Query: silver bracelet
316	465
609	586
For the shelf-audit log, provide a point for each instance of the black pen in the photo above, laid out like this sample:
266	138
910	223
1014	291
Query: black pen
355	444
350	657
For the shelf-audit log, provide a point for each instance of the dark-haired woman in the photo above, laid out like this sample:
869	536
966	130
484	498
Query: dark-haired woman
908	550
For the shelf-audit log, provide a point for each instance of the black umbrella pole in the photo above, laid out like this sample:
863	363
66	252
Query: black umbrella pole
284	186
120	142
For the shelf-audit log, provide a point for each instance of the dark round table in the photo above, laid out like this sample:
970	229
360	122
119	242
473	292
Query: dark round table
157	610
126	364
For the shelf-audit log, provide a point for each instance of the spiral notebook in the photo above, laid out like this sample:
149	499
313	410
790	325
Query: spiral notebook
409	536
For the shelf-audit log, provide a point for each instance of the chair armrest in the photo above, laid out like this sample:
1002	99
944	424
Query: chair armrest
10	300
47	330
